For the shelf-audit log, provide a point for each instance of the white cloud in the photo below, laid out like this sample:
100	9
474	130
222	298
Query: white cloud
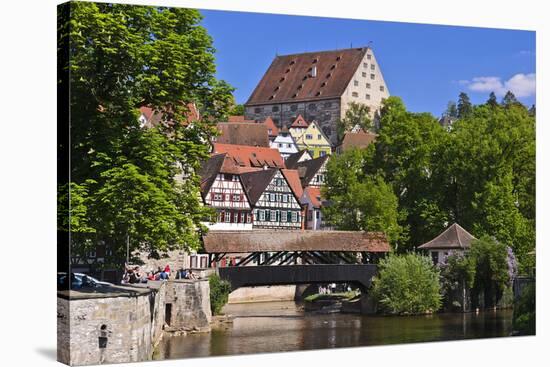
522	85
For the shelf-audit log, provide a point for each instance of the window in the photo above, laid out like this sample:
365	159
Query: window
285	198
280	145
293	107
248	218
328	104
435	257
283	216
227	217
367	96
368	85
381	88
365	65
275	109
288	145
372	76
309	136
273	215
312	106
236	217
279	197
317	214
372	67
236	197
319	136
227	177
356	83
261	215
309	215
369	56
355	94
258	110
363	74
322	153
272	197
92	254
216	196
294	216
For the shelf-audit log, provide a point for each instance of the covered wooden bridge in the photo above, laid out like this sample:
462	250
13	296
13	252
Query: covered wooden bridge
276	257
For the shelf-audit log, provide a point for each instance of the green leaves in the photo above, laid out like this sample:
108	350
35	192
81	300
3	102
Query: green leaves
407	284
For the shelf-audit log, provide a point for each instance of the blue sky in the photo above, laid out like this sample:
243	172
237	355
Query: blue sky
426	65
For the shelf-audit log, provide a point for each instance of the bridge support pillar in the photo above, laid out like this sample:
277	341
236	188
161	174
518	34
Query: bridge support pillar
368	305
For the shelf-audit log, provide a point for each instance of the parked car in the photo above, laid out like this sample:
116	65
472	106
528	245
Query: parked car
78	281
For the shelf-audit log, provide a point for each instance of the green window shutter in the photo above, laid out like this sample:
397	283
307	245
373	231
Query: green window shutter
289	216
267	215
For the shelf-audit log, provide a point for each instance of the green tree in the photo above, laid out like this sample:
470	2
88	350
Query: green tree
492	269
457	273
510	99
359	201
492	101
407	284
237	110
123	57
219	293
357	114
524	318
451	110
464	105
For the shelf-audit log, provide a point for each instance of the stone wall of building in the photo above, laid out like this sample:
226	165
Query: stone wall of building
124	324
325	112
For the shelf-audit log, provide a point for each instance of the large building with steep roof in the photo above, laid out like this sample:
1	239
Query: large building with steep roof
319	86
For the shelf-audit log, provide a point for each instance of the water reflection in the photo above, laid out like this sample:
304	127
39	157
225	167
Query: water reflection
281	326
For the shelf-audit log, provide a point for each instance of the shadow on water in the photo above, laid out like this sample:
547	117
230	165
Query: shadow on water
282	326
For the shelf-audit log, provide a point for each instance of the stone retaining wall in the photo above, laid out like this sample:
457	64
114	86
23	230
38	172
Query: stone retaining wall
124	324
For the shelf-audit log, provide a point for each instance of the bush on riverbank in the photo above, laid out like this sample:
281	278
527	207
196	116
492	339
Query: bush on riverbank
524	319
219	293
407	284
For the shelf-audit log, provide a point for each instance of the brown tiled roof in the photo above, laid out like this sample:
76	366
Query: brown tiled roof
154	116
294	240
270	125
243	133
293	159
299	122
293	179
247	156
238	119
308	169
358	140
289	77
454	237
314	195
255	183
209	170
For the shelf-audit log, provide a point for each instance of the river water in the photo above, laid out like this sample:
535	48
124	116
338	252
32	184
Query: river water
283	326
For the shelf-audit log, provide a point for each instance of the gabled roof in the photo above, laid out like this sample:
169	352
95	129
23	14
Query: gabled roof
209	170
270	125
314	195
358	140
308	169
247	156
293	159
291	77
243	133
255	183
293	240
454	237
293	179
300	122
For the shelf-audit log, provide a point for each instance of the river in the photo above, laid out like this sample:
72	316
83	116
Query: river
283	326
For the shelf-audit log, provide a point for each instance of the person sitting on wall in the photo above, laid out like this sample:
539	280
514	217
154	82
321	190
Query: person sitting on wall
181	274
190	275
151	275
167	270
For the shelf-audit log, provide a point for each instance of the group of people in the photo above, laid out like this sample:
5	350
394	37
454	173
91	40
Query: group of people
133	274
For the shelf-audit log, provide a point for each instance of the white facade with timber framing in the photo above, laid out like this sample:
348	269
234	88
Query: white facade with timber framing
275	203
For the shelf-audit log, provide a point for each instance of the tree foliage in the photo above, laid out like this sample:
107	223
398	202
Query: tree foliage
359	200
123	57
219	293
407	284
357	115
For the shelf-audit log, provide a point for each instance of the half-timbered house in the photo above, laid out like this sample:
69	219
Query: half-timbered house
312	172
275	204
222	189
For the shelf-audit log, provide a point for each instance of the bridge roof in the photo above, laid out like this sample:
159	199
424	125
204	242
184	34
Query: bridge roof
294	240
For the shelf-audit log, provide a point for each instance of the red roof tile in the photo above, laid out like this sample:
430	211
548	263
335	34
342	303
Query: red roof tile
271	127
314	195
238	119
243	133
299	122
293	179
358	140
247	156
290	77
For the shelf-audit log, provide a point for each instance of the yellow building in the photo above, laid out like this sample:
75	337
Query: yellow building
313	140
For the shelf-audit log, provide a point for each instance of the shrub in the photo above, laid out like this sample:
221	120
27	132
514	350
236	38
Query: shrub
407	284
524	319
457	272
219	293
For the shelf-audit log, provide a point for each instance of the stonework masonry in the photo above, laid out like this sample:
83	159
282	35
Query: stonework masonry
124	324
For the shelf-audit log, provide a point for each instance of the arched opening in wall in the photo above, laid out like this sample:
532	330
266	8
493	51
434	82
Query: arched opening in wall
168	314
